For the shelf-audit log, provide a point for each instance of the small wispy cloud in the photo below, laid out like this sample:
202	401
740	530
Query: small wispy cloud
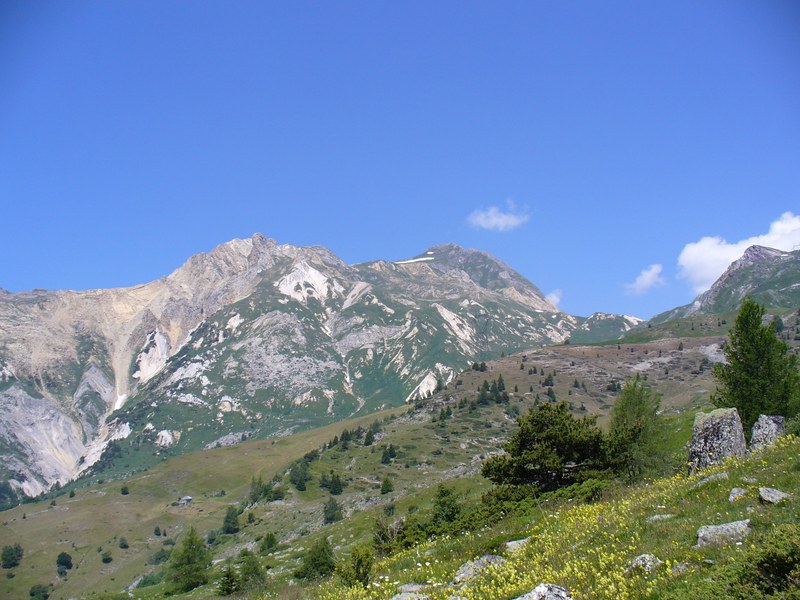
555	297
702	262
498	219
647	279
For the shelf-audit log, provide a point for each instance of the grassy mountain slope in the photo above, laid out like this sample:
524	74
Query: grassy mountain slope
427	452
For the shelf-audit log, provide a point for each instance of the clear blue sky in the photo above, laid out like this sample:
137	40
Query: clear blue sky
606	135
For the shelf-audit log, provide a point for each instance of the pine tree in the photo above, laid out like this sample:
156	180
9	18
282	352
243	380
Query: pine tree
336	485
632	432
386	485
331	511
548	439
317	562
12	556
761	376
229	582
251	572
189	563
231	522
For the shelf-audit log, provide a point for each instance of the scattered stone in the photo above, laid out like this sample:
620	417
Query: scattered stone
680	568
412	588
471	568
409	596
710	479
546	591
716	436
737	493
515	545
663	517
749	480
647	562
713	535
766	430
769	495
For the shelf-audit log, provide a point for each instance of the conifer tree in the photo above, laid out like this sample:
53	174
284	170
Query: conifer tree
317	562
761	376
189	563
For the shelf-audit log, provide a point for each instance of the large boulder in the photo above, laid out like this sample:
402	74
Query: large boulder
766	430
716	436
715	535
768	495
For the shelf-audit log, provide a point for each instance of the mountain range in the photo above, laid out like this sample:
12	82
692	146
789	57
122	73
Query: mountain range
251	339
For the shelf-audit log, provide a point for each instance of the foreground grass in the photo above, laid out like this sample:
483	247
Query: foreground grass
588	548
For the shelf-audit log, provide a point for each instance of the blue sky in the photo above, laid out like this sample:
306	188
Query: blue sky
618	154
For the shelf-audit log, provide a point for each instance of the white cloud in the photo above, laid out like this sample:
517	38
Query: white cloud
497	219
702	262
554	297
648	278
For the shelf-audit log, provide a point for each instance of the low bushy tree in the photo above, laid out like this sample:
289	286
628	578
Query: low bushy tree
357	569
12	556
551	448
318	562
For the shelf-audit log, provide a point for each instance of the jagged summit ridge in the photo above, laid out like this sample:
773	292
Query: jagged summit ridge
252	336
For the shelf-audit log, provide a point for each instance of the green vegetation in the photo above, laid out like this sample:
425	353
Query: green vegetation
189	565
317	562
12	556
761	376
548	438
633	431
231	522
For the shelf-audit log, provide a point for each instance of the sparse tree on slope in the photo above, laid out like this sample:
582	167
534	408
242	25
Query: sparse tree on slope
317	562
189	564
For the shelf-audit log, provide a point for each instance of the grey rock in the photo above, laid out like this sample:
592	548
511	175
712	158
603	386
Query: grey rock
412	588
410	596
662	517
766	430
515	545
646	562
749	480
715	535
769	495
710	479
737	493
472	568
546	591
716	436
680	568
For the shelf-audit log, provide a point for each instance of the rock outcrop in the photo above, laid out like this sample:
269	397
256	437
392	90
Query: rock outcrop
715	535
472	568
716	436
766	430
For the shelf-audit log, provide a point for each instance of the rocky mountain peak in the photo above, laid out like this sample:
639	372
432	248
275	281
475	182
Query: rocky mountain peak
757	254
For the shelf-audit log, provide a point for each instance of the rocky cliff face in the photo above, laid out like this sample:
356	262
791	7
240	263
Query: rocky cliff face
253	338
